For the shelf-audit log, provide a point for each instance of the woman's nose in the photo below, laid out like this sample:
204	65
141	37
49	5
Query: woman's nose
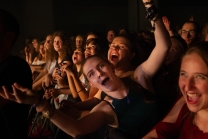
190	84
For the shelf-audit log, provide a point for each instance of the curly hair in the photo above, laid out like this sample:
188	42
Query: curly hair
66	43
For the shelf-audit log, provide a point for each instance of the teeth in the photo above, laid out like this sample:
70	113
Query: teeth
192	95
114	55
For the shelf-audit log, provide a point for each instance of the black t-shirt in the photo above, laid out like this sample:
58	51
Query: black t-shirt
13	116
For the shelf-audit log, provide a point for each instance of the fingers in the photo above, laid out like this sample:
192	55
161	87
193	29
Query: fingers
8	95
19	87
15	95
2	94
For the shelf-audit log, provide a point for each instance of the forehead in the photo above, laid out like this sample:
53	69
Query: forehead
48	37
110	32
57	38
77	50
121	39
188	26
91	63
193	61
79	38
91	36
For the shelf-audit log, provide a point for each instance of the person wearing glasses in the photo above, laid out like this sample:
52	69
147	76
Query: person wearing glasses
189	32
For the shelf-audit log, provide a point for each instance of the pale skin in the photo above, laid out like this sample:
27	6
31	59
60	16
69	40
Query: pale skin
167	25
193	83
100	74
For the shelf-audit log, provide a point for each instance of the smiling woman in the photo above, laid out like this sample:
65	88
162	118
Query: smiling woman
188	118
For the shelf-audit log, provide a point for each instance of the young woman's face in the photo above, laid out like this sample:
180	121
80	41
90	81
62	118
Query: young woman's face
48	41
100	74
42	49
77	56
119	53
193	82
90	50
35	43
57	43
79	41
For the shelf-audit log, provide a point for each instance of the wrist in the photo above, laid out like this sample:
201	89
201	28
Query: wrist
48	111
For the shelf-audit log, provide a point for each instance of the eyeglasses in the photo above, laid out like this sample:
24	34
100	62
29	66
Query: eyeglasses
185	32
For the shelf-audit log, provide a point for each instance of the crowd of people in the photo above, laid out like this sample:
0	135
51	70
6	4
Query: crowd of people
126	85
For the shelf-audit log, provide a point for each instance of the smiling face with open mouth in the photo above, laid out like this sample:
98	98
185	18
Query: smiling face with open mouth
100	74
119	52
193	82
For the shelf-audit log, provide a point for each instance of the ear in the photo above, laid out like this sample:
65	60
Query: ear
90	84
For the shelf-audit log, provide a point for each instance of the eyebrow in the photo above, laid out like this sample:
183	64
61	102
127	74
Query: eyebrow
196	73
96	67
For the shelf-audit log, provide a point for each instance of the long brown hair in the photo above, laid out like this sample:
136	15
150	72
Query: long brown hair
67	49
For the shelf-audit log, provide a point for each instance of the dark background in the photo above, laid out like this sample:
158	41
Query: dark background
40	17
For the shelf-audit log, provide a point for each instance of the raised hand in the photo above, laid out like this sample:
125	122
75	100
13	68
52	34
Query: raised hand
166	23
20	94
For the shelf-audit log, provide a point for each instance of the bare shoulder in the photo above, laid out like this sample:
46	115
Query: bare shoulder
173	114
107	109
102	106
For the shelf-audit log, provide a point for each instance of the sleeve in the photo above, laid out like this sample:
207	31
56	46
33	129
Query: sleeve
171	130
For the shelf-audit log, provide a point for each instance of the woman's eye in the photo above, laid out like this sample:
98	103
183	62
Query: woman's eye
101	65
200	77
91	74
122	47
182	74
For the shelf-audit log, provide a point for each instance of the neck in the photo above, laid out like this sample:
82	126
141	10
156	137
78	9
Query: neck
201	121
120	71
78	66
121	91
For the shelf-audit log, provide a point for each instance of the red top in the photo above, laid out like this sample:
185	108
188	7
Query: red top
182	129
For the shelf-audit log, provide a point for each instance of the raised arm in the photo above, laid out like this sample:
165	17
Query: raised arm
163	43
167	25
75	85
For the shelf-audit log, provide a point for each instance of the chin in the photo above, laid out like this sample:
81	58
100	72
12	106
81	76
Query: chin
193	109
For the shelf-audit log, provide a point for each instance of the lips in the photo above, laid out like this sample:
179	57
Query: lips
193	98
114	57
87	55
75	58
105	81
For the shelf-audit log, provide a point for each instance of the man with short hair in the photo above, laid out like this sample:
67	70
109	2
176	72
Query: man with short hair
189	32
13	116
